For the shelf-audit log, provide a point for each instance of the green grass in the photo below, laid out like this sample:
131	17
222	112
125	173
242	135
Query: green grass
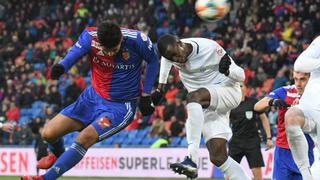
89	178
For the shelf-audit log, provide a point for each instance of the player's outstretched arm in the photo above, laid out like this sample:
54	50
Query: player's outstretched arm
262	105
309	59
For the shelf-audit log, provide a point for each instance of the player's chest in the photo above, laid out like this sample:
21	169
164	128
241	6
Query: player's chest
197	65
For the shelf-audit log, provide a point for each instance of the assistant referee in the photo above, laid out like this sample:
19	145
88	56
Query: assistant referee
246	140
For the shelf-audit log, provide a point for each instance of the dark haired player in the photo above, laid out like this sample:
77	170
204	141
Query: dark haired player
109	105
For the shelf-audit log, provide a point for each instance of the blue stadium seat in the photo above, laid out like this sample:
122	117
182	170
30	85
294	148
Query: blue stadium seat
184	142
175	141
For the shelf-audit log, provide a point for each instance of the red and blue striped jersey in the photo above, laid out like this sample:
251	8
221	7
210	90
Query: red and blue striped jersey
116	77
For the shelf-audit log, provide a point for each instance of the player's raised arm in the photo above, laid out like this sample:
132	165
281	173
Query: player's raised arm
309	59
79	49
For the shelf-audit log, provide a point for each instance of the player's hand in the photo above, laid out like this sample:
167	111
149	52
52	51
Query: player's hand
146	106
56	71
157	96
278	103
269	144
224	64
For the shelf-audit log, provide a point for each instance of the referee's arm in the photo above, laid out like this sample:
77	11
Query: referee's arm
266	127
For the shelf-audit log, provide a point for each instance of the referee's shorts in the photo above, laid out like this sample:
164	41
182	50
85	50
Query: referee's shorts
250	148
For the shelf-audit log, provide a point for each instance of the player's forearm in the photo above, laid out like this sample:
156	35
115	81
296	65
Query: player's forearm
265	124
236	73
165	68
262	105
306	64
70	59
152	70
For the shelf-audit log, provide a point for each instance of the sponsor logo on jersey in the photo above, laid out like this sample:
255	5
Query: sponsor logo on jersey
96	44
119	66
104	122
125	54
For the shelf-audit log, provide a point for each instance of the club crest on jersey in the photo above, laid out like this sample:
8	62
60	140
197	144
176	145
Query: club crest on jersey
249	115
104	122
125	54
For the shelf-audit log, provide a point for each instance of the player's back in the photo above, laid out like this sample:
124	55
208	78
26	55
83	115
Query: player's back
202	65
311	95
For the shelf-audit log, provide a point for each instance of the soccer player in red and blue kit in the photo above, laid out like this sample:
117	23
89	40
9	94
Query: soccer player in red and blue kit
109	105
284	167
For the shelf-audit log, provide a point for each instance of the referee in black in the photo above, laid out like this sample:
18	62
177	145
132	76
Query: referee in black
246	140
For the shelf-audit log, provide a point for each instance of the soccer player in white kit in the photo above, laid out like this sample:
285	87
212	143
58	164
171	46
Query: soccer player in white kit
213	83
305	117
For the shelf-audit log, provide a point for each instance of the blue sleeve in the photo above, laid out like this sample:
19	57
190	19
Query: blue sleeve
149	55
279	93
78	50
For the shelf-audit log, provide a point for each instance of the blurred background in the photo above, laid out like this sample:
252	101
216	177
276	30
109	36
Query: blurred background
263	36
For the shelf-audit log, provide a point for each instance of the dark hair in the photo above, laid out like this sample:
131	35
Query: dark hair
164	41
109	34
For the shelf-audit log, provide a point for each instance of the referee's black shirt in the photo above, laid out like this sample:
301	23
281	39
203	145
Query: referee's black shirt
244	120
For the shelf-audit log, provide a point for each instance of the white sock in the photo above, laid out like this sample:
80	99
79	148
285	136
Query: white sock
194	127
299	148
233	170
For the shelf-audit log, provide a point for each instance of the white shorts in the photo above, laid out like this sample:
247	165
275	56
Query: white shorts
216	116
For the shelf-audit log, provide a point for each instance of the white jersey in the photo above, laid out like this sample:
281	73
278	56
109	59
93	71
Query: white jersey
309	61
202	66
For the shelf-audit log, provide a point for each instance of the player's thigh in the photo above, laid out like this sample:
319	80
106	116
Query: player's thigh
223	97
59	126
310	119
112	122
216	125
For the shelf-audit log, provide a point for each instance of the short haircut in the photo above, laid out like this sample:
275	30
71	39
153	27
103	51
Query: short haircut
109	34
165	41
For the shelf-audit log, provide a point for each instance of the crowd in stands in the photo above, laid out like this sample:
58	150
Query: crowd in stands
264	37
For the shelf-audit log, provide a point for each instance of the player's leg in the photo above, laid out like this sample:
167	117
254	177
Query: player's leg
52	133
196	101
114	119
218	156
295	120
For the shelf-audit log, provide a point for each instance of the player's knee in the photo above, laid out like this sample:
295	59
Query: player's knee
88	137
218	159
48	135
294	116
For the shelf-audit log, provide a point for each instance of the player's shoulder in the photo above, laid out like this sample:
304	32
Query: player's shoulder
91	30
290	88
130	34
199	40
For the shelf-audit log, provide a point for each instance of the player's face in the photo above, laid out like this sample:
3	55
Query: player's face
113	51
177	52
300	81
